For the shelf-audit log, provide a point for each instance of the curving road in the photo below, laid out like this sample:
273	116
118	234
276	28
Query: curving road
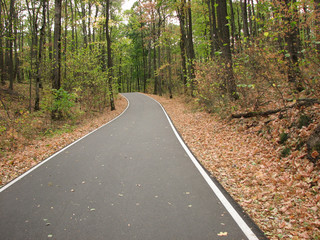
131	179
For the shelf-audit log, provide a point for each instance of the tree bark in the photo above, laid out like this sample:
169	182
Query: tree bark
56	83
65	38
232	24
292	39
244	14
109	52
11	37
41	46
224	37
49	32
2	70
84	25
72	27
181	16
190	51
159	52
317	24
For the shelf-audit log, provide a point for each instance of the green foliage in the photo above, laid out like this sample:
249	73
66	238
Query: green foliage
304	121
59	101
285	152
62	102
283	138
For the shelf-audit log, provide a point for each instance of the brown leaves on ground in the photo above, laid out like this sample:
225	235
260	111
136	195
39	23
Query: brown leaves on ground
25	157
280	194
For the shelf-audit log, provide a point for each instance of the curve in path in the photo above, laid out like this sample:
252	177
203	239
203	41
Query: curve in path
130	179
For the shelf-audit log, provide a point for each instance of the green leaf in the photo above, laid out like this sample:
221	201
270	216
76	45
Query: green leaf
266	34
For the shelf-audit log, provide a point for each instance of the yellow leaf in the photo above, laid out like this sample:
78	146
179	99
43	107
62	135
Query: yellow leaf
221	234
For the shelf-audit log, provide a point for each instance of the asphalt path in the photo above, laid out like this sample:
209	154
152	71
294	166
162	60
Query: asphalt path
131	179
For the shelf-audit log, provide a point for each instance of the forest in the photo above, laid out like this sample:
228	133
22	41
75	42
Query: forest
67	57
63	61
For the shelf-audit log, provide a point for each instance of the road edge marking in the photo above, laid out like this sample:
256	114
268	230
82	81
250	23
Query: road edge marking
61	150
234	214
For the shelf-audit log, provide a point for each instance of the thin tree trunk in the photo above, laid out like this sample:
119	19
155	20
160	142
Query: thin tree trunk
41	45
159	53
317	24
65	38
190	51
233	25
49	33
170	70
72	27
2	71
211	20
56	83
16	54
181	16
144	60
11	36
109	52
244	12
84	25
95	20
89	22
119	74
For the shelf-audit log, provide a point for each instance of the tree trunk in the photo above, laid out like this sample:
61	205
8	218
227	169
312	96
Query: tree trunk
293	43
16	54
317	24
65	38
56	83
232	24
2	70
72	27
119	74
41	45
89	23
109	52
224	36
95	20
84	25
190	51
244	12
181	16
11	37
49	32
170	70
211	20
159	53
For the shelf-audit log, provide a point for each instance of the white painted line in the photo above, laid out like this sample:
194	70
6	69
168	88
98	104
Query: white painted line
55	154
235	215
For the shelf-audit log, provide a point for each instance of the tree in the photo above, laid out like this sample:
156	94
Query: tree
2	69
109	52
224	37
181	17
40	52
10	39
56	82
292	38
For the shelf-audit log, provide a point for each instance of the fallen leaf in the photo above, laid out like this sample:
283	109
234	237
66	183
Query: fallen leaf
222	234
